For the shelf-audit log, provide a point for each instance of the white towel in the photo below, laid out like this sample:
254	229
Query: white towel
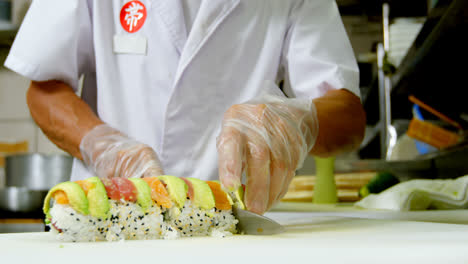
421	195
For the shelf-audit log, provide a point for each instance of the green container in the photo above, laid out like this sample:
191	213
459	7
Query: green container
325	187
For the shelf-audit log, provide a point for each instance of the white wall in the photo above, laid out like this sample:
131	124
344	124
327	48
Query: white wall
16	123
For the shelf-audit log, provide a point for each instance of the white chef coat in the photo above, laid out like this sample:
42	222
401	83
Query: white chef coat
190	8
173	97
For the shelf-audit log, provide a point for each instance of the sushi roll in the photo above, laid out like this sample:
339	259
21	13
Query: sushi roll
161	207
199	212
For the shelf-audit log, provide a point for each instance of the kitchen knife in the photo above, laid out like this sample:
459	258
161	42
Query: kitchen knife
254	224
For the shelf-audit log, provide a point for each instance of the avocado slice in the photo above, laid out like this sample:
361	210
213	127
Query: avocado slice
76	196
143	193
238	197
97	196
203	196
176	187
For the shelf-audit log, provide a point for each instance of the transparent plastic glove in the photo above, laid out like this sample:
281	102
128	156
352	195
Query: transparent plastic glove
268	139
109	153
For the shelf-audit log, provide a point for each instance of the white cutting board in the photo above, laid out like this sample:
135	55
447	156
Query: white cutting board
348	210
313	240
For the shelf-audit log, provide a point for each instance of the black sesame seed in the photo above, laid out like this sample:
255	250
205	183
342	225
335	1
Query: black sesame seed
201	224
136	228
147	230
146	213
180	228
77	219
198	214
72	214
142	223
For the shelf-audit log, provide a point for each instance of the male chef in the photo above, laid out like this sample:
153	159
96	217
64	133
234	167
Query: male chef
189	87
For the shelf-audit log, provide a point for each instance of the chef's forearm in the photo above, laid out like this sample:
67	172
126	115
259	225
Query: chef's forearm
342	122
61	114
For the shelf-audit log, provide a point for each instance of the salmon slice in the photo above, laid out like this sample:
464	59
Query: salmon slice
159	192
85	185
221	199
60	197
190	192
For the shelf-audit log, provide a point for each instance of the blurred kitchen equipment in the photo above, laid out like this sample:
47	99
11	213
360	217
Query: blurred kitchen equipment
10	148
37	171
432	134
347	186
5	10
443	164
429	132
433	111
21	199
325	186
388	132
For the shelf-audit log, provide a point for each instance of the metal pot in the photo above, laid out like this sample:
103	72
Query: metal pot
37	171
20	199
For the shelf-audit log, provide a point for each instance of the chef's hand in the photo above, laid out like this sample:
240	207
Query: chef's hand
269	139
109	153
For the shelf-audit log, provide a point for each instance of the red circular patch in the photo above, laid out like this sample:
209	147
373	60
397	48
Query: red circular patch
133	16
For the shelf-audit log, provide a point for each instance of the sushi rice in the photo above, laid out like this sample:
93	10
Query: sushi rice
127	221
193	221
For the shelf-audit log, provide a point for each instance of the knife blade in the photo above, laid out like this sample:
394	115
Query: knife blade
255	224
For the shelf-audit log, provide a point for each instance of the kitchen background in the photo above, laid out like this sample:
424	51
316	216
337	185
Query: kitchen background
407	57
16	125
363	21
17	129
